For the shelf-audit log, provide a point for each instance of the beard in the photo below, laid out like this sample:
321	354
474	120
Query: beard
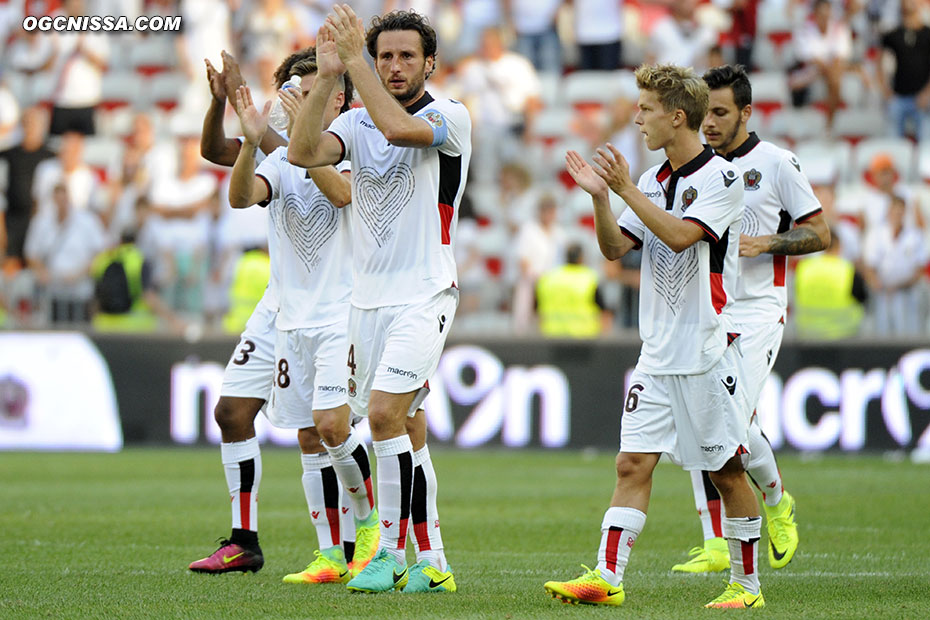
726	145
411	92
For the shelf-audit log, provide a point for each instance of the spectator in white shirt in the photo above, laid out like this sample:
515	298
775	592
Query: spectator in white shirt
60	247
680	39
181	214
534	21
83	184
822	49
80	62
502	87
540	246
598	33
895	257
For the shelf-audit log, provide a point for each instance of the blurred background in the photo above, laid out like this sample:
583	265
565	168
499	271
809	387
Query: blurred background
100	155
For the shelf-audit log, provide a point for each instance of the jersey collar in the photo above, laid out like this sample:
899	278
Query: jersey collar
743	148
420	103
689	168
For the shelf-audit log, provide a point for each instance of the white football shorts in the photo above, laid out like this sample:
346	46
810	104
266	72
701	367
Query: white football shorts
760	343
396	349
249	371
699	421
310	373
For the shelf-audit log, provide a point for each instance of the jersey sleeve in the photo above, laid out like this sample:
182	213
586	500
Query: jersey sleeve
794	190
342	127
718	204
269	171
630	225
451	125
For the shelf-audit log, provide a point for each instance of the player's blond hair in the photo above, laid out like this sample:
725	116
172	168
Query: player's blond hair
678	88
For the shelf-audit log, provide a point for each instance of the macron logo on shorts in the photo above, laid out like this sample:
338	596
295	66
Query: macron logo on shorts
402	373
331	388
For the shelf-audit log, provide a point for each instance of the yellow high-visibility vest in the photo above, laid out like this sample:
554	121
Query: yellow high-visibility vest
249	283
824	305
566	302
140	317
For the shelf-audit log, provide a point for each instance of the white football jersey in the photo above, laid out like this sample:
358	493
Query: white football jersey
776	193
683	295
270	298
311	246
405	204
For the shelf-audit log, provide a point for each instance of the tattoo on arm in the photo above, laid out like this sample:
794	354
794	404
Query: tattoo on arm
800	240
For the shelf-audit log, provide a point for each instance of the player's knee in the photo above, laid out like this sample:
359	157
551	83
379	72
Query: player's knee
729	476
632	467
231	415
309	440
332	429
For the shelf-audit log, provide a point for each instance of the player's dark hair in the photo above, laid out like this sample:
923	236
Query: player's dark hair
734	77
304	63
401	20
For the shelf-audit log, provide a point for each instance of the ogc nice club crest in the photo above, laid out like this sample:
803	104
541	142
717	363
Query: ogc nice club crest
751	180
688	197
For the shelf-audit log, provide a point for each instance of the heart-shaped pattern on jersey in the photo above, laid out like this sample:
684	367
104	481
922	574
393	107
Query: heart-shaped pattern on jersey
380	198
750	223
308	225
671	271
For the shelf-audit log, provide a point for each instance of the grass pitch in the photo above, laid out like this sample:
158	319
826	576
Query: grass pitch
110	536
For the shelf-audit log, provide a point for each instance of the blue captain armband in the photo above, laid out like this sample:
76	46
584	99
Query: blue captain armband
438	122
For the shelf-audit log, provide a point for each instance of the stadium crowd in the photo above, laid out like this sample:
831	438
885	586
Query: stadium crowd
100	143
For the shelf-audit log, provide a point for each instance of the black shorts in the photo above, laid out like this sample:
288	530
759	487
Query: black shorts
80	120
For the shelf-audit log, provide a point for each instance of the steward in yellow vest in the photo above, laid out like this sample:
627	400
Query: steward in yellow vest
828	296
568	301
121	279
248	285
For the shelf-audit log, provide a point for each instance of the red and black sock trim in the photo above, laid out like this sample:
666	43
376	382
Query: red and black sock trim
418	509
713	504
405	462
614	534
364	466
331	502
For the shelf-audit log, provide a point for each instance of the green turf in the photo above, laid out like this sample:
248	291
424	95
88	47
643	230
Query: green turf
90	535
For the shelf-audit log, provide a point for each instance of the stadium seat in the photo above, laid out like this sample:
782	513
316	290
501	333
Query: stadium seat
769	91
584	88
857	124
923	162
551	89
901	151
853	91
553	124
166	89
114	122
41	88
767	56
153	54
797	124
119	89
102	153
825	160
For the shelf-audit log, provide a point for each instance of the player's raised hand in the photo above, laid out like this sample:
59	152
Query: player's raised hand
254	123
217	86
584	175
347	31
327	58
291	98
613	168
232	76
